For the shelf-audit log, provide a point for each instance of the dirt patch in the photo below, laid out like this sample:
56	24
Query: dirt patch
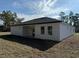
34	43
14	46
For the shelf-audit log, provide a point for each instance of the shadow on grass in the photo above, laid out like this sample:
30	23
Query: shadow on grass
34	43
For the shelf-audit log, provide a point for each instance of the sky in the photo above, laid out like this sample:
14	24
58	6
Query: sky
30	9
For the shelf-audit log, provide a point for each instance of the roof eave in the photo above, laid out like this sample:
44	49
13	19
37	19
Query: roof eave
36	23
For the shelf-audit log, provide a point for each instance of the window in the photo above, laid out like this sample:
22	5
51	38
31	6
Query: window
50	30
42	30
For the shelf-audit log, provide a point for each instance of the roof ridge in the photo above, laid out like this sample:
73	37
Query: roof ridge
42	20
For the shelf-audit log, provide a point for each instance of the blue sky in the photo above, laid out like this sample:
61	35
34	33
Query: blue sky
30	9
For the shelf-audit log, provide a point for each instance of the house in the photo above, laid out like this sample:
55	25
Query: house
43	28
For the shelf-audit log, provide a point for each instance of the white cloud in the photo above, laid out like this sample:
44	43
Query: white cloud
41	7
48	7
28	17
52	3
56	16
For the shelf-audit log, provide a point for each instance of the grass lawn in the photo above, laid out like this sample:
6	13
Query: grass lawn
14	46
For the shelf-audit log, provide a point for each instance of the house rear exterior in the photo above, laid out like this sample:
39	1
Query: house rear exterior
43	28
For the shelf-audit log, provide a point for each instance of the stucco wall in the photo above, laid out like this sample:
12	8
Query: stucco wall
27	30
59	31
66	30
55	31
17	30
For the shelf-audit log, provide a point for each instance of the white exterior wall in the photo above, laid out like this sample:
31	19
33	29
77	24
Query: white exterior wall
66	30
59	31
17	30
28	31
55	31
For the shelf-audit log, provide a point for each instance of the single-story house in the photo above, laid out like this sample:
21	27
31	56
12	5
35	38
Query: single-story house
43	28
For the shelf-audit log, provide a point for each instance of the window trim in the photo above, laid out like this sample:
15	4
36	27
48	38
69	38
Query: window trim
49	30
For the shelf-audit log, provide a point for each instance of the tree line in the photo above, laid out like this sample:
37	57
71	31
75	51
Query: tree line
71	18
9	18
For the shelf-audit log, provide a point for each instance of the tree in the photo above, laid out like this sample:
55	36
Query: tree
62	15
77	15
9	18
71	13
71	18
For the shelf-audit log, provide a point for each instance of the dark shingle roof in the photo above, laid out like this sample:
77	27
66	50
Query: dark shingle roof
42	20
